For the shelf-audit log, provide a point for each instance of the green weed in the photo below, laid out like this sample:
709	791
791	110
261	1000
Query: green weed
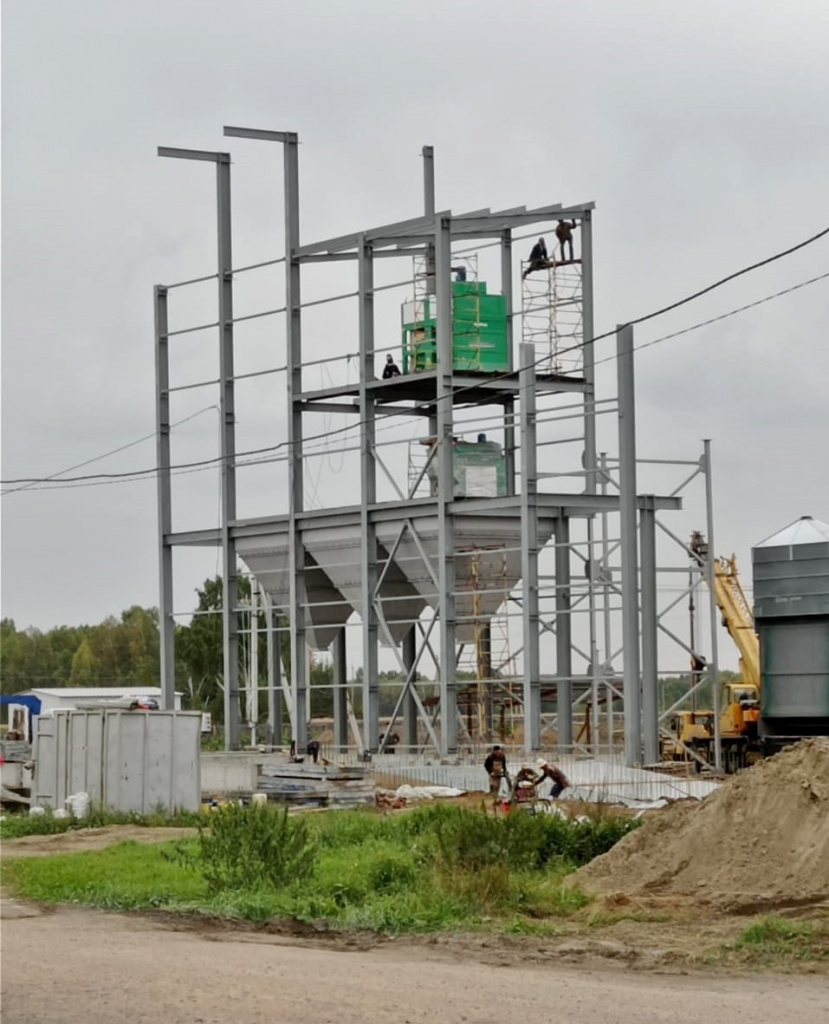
437	868
249	848
14	826
776	938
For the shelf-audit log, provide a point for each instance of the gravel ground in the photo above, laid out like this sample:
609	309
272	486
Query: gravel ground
76	966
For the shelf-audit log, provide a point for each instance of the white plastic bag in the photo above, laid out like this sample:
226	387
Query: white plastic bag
77	805
37	812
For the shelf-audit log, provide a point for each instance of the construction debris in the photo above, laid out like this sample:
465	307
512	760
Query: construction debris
302	785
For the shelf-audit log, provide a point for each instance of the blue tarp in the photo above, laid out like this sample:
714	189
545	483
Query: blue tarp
32	703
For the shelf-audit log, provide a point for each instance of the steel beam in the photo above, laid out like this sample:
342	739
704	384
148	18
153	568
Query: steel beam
166	623
630	588
531	685
261	134
464	225
650	621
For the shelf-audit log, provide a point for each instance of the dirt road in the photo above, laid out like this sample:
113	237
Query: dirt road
83	967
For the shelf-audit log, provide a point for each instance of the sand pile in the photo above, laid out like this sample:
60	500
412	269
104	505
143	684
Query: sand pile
761	838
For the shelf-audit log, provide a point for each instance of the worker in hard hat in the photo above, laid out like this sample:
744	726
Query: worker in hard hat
555	775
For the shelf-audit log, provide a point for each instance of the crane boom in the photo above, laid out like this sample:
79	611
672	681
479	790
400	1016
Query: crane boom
737	617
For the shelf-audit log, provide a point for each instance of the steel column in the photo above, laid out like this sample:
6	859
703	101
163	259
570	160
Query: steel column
368	495
230	635
628	545
529	553
588	357
446	486
714	663
252	696
509	404
227	412
564	632
429	210
296	484
650	680
338	655
274	654
166	623
409	704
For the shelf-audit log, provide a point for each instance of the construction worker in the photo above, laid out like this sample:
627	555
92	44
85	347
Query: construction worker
564	234
313	750
495	766
391	369
538	257
555	775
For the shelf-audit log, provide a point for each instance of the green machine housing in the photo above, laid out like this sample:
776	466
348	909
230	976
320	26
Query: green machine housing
479	469
480	341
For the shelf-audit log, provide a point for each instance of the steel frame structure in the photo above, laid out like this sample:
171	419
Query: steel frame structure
523	396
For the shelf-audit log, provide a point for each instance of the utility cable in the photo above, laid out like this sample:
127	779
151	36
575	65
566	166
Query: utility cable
454	393
106	455
308	441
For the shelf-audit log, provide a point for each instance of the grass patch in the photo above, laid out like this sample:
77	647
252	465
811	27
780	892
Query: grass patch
15	826
776	939
125	876
437	868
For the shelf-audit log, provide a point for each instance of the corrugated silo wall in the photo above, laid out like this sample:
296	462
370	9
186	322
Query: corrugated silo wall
791	611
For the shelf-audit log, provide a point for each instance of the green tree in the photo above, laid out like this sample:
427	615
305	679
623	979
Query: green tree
85	666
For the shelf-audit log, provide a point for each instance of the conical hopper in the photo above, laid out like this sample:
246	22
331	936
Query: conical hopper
338	551
487	564
326	608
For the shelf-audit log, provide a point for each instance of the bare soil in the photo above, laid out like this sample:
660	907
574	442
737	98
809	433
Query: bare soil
760	842
98	968
87	839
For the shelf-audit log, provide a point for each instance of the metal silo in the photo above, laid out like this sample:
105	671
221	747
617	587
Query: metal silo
791	616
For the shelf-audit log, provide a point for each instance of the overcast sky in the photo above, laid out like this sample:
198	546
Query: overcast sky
700	129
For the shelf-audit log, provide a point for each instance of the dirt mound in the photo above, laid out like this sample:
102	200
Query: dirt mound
761	840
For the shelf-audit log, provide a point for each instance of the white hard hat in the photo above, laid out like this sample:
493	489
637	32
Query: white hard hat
541	763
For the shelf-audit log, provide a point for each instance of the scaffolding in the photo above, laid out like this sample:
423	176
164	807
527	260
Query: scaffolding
412	567
551	315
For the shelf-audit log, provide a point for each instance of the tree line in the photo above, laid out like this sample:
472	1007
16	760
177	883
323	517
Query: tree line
125	652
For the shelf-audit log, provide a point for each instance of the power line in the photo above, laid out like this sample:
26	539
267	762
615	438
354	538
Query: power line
722	316
106	455
265	459
184	468
137	474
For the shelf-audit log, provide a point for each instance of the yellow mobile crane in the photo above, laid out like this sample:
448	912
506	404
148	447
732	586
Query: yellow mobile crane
741	713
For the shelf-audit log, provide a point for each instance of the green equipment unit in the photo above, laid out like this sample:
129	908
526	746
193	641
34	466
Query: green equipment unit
479	469
479	331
